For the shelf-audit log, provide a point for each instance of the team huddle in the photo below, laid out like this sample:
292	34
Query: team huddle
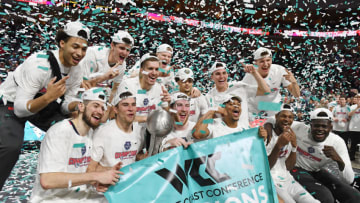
94	111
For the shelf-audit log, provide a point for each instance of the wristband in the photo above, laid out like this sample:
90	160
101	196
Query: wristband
294	149
69	184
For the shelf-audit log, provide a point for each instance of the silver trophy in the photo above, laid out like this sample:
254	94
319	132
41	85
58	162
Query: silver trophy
159	124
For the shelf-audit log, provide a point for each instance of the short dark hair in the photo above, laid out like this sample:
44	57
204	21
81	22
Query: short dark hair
124	95
264	53
83	33
149	59
61	35
124	39
219	65
322	114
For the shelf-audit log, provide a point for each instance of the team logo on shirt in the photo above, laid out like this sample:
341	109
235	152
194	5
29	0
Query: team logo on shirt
127	145
146	101
311	150
83	150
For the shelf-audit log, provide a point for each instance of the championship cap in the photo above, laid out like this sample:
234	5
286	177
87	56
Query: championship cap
119	96
287	107
123	37
183	74
178	96
77	29
326	116
262	52
147	56
94	94
217	66
165	48
229	97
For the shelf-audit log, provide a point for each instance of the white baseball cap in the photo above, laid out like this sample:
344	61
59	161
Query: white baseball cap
165	48
148	56
315	114
228	97
217	66
119	96
123	37
94	94
73	30
262	52
287	107
177	96
184	73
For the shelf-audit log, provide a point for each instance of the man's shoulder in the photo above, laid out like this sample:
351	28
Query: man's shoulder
106	127
38	61
334	140
130	84
60	128
277	67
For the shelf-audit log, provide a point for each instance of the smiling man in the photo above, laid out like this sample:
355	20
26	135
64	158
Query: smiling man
108	62
282	158
181	133
198	105
65	155
41	89
164	53
274	75
210	127
318	146
118	140
222	87
150	95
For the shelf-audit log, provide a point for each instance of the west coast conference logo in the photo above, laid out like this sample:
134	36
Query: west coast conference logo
193	165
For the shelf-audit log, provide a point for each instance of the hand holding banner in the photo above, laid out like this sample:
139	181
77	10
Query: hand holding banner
233	168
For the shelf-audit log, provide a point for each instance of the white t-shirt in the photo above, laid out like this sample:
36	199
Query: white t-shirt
198	106
309	153
218	128
243	90
355	119
32	76
112	145
96	60
279	172
64	150
185	134
146	101
274	80
341	113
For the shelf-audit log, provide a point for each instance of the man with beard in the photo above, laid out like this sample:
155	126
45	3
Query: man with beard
108	62
40	90
318	146
210	127
65	155
119	140
198	105
282	157
181	133
274	75
220	76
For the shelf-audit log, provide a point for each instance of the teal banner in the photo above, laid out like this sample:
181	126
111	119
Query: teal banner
229	169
